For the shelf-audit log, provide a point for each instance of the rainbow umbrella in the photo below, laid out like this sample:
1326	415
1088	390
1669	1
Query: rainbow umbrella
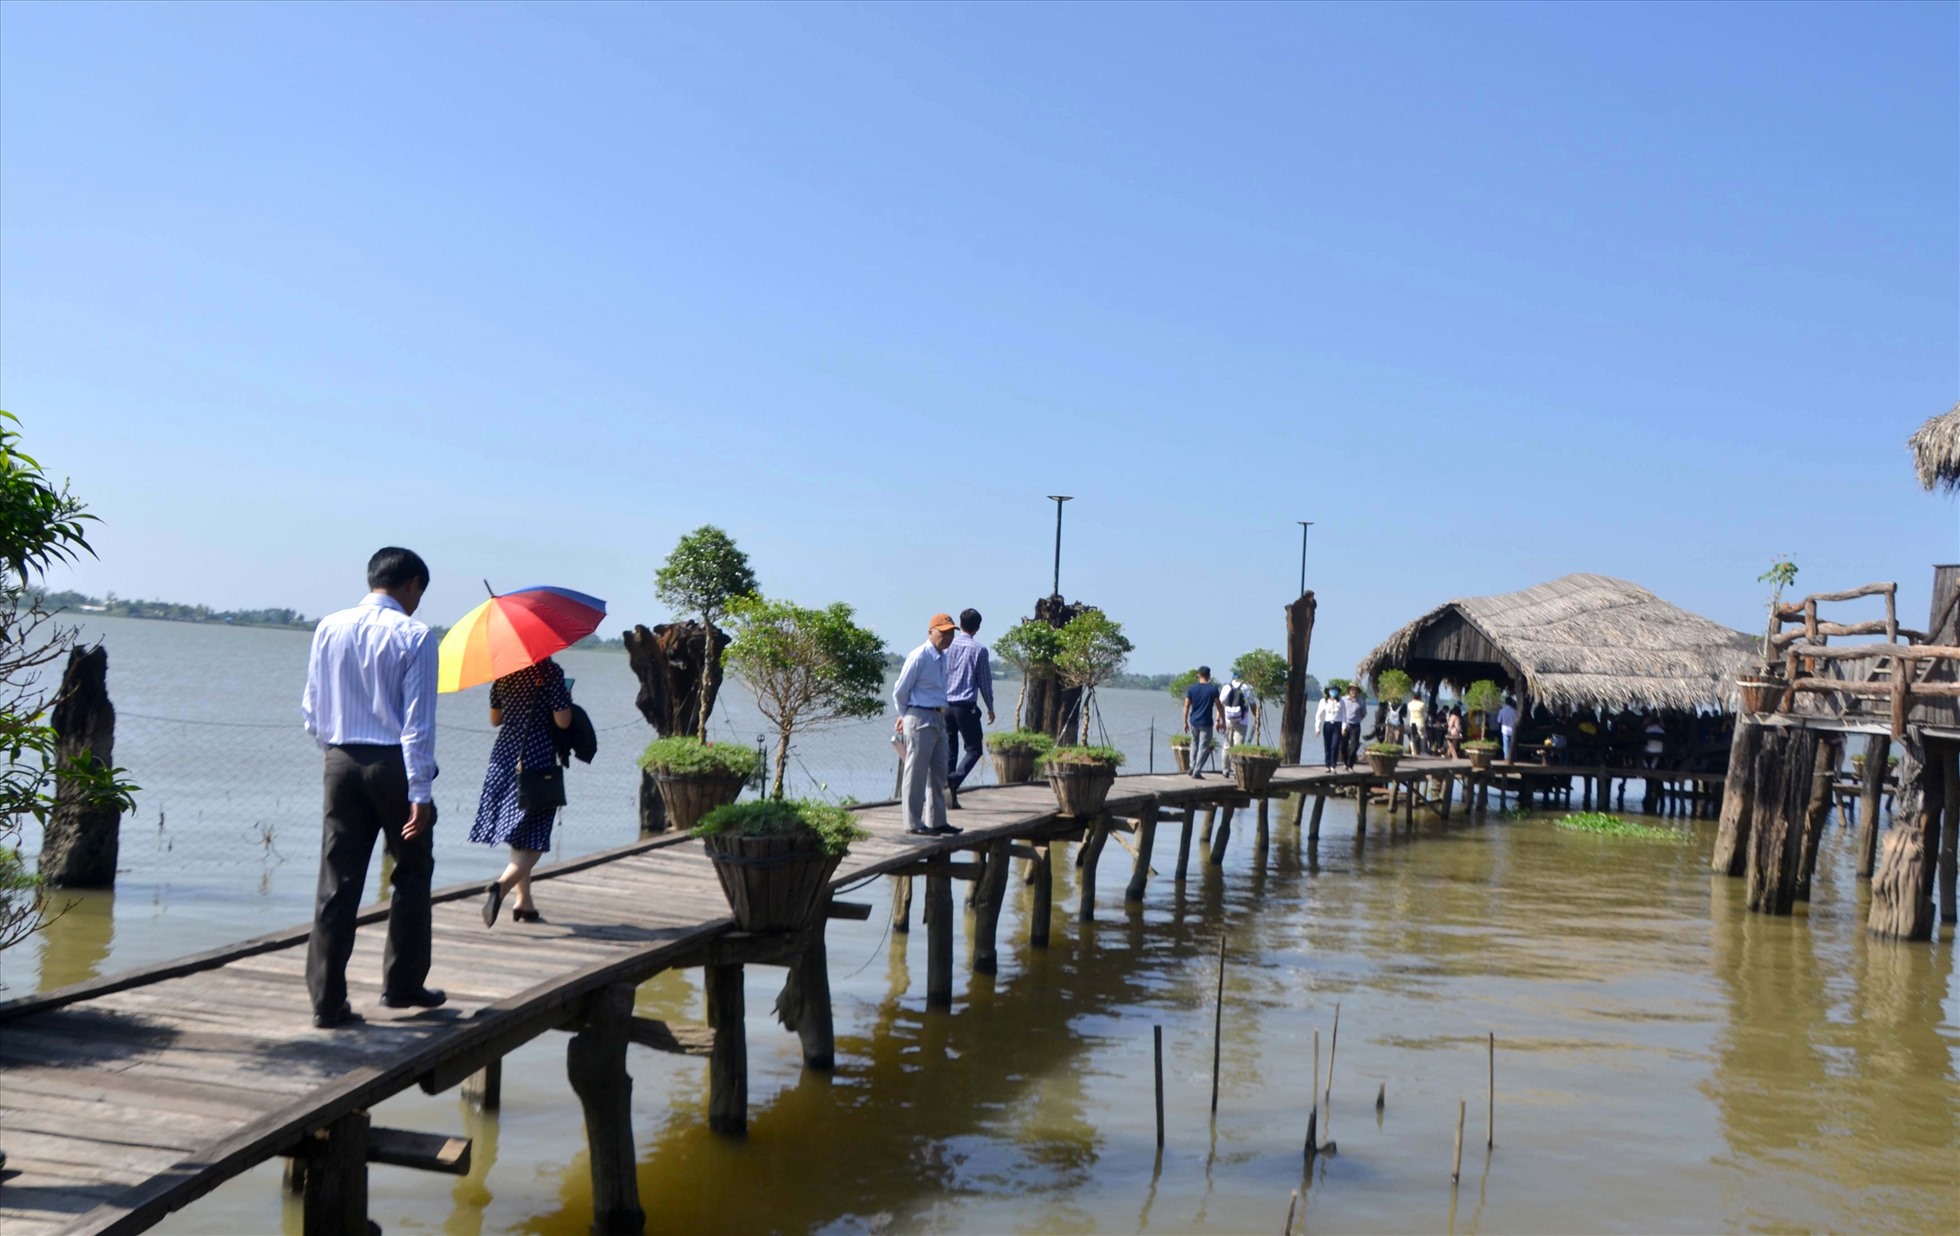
513	630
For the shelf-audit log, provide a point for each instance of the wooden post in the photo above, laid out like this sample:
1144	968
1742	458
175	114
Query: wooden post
1211	818
1490	1124
1092	849
1409	805
1871	789
1361	810
1184	843
1784	770
1217	1023
901	905
334	1192
1223	836
1299	639
1313	824
1042	872
595	1060
1262	835
989	891
1333	1047
1950	836
728	1061
484	1089
80	845
1299	807
1157	1037
1738	800
939	933
1830	749
1449	792
1146	841
1456	1164
804	1005
1902	886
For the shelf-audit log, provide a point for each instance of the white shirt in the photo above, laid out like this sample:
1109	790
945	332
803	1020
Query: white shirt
1329	712
371	680
922	683
1234	715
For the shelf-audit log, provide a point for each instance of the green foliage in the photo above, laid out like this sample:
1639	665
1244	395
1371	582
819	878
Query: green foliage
703	574
1613	826
1180	683
1092	648
1781	574
1180	740
1386	748
1031	742
1264	671
806	667
1029	646
1340	685
834	827
1106	757
1483	744
1484	696
1246	750
686	756
40	526
1393	685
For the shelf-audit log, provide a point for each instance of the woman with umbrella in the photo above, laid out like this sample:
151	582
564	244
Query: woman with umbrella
508	641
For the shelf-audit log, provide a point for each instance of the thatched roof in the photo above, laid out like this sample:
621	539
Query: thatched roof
1587	641
1936	451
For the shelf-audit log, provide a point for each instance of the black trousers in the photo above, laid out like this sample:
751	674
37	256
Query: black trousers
366	795
1330	741
962	725
1350	742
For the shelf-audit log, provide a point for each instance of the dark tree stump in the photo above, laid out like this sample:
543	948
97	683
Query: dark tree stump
667	661
1830	750
82	838
1299	638
1738	801
1052	708
1784	769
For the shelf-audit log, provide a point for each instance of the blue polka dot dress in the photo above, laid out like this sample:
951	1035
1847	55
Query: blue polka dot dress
527	698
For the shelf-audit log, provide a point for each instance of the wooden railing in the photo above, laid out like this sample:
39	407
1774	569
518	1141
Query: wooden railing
1900	669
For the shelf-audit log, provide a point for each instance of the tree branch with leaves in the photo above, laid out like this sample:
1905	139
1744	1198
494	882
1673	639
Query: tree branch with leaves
704	575
806	667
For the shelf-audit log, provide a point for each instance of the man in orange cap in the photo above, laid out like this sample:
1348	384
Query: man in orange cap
920	696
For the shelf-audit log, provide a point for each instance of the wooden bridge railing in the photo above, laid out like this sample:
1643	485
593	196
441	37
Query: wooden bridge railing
1899	670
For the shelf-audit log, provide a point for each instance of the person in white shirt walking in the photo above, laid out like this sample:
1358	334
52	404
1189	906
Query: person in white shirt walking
1327	719
370	703
920	696
1415	725
1241	712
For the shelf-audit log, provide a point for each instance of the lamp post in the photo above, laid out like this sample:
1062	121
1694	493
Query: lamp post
1304	525
1058	499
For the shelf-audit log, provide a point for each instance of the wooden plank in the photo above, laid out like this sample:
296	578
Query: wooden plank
425	1152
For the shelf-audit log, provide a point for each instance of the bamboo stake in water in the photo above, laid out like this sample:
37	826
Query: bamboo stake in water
1157	1033
1456	1167
1313	1115
1381	1098
1327	1096
1291	1204
1490	1127
1217	1023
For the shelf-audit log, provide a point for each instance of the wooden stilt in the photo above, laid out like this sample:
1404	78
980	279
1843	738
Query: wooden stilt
1262	835
1878	749
901	905
1146	841
1299	807
1313	824
1361	810
595	1060
1449	792
1184	843
1824	772
1222	837
989	891
1042	872
484	1089
1950	837
939	934
1092	849
1782	798
1409	806
1211	818
1902	885
804	1005
334	1189
728	1061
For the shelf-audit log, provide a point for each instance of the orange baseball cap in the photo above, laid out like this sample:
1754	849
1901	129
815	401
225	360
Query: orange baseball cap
942	622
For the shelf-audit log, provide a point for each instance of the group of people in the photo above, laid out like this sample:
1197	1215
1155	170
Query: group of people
938	697
1211	709
370	704
1342	719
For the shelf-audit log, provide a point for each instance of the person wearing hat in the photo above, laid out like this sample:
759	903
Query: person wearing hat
1327	719
920	696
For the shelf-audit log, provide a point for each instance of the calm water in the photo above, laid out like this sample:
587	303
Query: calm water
1666	1061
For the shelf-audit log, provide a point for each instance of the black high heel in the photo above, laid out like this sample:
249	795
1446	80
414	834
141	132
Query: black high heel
493	896
526	916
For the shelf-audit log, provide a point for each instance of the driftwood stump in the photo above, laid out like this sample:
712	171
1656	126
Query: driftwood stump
1053	708
667	661
1902	887
82	838
1299	639
1732	836
1784	768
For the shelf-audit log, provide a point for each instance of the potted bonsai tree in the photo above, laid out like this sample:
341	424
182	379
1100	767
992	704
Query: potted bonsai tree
695	777
1093	647
1016	752
806	667
1264	671
1181	751
1253	766
1081	777
1030	647
702	576
775	856
1480	752
1383	757
1483	699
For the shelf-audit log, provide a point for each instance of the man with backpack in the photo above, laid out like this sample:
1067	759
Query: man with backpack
1241	712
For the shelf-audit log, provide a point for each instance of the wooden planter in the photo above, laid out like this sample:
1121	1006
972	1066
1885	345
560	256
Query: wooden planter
689	798
1254	772
1181	752
1480	758
1081	788
1014	767
1760	694
772	883
1383	765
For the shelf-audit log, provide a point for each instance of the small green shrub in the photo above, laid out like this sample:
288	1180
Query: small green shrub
1015	742
1613	826
690	757
1079	757
1483	744
1180	740
1247	750
1393	685
1386	748
833	826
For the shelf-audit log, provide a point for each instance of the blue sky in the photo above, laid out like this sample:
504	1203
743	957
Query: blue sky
1491	293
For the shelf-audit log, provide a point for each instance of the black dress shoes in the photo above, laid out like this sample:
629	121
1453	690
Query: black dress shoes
341	1016
427	998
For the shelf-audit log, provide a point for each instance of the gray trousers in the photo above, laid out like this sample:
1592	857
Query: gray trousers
366	792
1203	739
925	768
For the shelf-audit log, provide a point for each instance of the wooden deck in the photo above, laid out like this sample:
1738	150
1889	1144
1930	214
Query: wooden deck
125	1098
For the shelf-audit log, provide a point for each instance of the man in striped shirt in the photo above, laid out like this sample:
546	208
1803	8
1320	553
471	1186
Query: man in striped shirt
370	703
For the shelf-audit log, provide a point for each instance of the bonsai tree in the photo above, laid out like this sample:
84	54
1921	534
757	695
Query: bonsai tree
1246	750
1180	683
1032	742
1080	757
1781	574
41	525
806	667
1093	647
702	576
1264	671
1031	648
1386	748
687	756
1482	699
1393	685
833	827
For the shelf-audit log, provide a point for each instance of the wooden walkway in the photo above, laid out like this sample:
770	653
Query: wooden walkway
125	1098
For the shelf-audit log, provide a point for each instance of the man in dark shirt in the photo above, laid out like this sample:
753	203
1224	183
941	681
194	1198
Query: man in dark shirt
1201	711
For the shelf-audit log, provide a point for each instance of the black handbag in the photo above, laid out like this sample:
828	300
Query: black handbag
540	789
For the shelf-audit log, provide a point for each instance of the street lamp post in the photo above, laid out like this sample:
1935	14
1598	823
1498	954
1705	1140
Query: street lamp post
1058	499
1304	525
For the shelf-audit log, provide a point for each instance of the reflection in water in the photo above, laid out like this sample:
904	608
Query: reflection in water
87	930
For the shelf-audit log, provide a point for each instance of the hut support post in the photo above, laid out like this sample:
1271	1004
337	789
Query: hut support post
1829	751
804	1005
595	1060
1738	801
939	933
1041	871
1784	776
1871	788
1184	843
1949	834
1902	886
989	891
728	1060
334	1188
1146	841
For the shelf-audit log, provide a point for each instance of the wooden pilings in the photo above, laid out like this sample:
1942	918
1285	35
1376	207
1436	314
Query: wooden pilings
1222	835
1091	858
595	1060
1184	843
1146	841
1313	823
334	1189
484	1089
989	891
1871	790
728	1062
901	905
1782	794
939	933
1041	872
1949	832
804	1005
1902	886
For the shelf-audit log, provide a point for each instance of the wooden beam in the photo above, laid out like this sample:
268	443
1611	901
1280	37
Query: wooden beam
1041	874
484	1089
425	1152
939	939
334	1198
902	905
595	1059
1146	840
855	911
728	1063
991	892
673	1037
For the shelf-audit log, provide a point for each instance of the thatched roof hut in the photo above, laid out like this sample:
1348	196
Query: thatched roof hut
1584	641
1936	450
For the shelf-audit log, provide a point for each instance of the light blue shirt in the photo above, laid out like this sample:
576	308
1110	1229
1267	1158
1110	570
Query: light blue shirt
969	671
372	680
922	683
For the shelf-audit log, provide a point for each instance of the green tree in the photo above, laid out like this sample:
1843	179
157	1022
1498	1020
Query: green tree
1092	648
1181	683
1483	698
40	526
1393	685
1030	647
806	667
702	576
1264	671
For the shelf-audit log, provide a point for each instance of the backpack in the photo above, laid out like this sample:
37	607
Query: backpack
1234	698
